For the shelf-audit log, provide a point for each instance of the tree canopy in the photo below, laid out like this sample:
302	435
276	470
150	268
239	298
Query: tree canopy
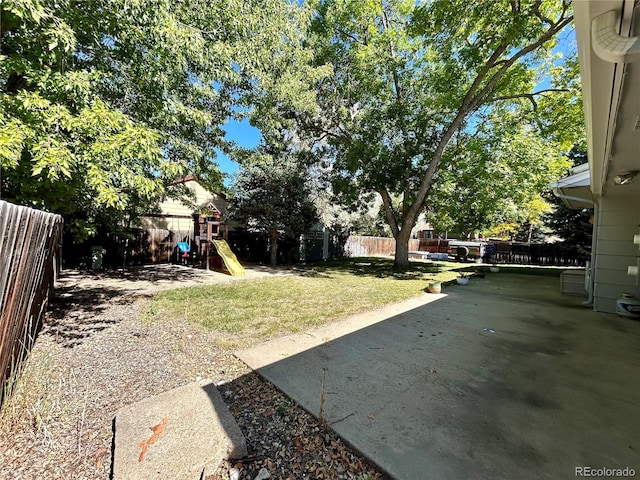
461	108
483	185
102	103
272	194
573	226
415	84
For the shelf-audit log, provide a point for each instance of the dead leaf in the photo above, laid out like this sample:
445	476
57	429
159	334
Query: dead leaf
100	455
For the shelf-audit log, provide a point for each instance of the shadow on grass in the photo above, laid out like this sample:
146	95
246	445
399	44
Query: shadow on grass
373	267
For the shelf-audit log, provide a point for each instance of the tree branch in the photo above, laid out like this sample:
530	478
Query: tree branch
472	99
399	99
389	212
515	7
343	135
212	34
536	10
478	98
530	96
491	62
351	36
392	53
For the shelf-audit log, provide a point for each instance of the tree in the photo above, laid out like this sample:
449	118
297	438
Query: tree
410	79
103	103
490	187
573	226
272	194
62	148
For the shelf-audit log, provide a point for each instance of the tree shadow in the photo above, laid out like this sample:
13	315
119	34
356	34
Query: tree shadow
150	273
82	302
75	313
375	267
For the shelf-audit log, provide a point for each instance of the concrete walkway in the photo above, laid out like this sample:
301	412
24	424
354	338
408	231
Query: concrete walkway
504	378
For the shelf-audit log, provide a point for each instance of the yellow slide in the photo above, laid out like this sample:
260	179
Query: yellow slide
229	258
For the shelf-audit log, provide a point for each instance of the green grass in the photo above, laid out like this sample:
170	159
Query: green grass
254	310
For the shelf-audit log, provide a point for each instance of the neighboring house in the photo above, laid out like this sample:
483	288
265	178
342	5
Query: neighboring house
426	232
195	223
608	35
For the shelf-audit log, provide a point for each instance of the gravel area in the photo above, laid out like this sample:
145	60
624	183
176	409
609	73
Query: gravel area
99	351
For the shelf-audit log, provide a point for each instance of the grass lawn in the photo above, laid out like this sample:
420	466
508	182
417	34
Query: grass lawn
253	311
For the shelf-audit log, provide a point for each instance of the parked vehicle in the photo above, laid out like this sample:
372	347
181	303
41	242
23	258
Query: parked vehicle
463	250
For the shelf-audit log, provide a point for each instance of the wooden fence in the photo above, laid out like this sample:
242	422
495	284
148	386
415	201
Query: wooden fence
30	247
361	246
557	254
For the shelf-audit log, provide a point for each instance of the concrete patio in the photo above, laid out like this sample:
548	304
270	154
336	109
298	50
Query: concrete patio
503	378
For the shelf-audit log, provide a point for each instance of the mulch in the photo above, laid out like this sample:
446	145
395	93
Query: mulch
98	351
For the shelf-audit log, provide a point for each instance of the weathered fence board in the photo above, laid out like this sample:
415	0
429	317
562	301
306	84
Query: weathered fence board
30	243
362	246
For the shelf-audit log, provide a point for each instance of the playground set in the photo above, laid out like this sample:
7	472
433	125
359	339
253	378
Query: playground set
210	246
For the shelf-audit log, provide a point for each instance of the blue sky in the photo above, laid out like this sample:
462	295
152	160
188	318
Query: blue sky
244	135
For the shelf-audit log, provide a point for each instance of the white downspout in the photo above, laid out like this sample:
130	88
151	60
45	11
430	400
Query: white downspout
591	269
608	44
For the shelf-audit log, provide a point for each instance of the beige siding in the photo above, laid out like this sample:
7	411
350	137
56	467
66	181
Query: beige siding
176	215
618	220
175	208
167	223
202	197
173	221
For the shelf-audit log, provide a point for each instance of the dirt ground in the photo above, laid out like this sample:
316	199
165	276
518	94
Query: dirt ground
98	351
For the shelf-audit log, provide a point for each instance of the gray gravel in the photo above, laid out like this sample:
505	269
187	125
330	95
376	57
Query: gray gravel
98	351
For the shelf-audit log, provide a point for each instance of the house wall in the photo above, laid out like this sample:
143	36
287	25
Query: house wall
618	221
168	223
177	208
174	222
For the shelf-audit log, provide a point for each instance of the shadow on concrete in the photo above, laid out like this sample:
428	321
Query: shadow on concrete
504	378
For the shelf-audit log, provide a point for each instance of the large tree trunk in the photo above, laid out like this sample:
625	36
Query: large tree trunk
402	232
402	249
274	245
